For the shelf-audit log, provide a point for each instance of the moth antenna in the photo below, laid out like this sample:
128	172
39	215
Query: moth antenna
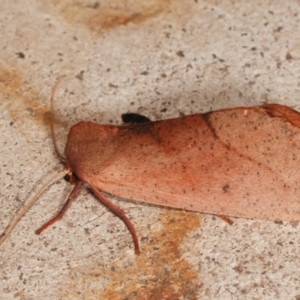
53	96
26	207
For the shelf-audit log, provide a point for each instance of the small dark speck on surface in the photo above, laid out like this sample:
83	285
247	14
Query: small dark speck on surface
80	75
111	85
144	73
288	56
20	55
30	110
95	5
180	53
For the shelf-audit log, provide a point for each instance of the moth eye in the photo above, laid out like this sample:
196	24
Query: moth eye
67	177
72	178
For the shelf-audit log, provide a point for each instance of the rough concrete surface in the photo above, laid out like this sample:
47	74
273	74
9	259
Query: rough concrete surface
162	59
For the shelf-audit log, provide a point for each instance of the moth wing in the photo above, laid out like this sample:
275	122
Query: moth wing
238	162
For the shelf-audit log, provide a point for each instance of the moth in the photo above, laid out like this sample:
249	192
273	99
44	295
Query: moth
236	162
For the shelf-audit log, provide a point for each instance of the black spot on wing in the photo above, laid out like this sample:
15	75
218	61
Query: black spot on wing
132	118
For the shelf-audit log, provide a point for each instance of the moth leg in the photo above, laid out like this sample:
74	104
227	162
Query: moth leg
71	197
121	214
226	219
